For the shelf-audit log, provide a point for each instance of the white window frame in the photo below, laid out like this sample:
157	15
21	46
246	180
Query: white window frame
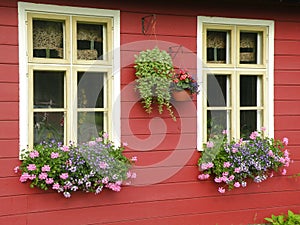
201	21
23	8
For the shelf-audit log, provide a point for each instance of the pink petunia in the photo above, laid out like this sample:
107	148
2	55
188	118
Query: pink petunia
64	176
231	177
285	141
33	154
234	150
134	158
43	176
55	186
99	139
31	167
218	179
253	135
226	164
203	176
105	180
16	169
49	181
224	132
24	177
105	135
125	144
133	175
270	153
237	170
237	184
65	148
221	190
283	172
103	165
209	144
46	168
32	177
54	155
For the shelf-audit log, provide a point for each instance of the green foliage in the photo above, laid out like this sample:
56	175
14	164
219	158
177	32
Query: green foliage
154	69
289	219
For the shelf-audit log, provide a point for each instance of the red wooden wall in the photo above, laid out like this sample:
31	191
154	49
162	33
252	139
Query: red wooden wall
165	149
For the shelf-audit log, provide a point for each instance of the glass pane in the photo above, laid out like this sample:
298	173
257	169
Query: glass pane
217	121
216	46
217	90
248	48
90	92
48	39
48	89
248	90
89	41
48	125
89	125
248	122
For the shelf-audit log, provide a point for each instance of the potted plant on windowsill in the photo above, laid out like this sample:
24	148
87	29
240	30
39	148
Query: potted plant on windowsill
154	70
232	164
184	86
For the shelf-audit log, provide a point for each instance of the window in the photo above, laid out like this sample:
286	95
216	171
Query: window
235	67
68	83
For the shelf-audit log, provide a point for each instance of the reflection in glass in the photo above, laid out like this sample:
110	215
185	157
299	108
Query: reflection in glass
216	90
217	122
48	89
216	46
90	90
248	90
48	125
48	39
89	41
89	125
248	122
248	48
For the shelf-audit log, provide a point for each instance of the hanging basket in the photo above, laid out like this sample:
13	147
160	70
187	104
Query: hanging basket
182	96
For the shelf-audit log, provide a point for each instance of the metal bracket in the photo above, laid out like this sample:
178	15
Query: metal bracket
147	21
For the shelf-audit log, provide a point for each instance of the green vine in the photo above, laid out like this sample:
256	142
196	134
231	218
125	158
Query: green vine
154	70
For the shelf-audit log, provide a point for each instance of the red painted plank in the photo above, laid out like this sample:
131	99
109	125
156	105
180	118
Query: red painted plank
9	129
7	167
9	35
287	62
189	44
8	3
287	30
287	93
131	23
9	54
283	47
13	205
188	141
15	220
9	148
9	92
8	16
9	73
109	213
287	122
9	111
287	77
286	108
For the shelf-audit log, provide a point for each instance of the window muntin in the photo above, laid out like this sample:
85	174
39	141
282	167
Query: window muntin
234	92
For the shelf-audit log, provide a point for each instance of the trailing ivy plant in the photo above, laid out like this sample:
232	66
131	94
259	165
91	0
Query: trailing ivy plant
154	70
289	219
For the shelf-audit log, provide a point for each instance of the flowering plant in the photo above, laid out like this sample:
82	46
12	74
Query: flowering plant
184	81
89	167
232	163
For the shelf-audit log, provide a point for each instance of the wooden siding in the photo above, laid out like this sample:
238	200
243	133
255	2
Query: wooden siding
179	199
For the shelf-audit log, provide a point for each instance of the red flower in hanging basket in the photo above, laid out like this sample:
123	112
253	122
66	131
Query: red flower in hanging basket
184	81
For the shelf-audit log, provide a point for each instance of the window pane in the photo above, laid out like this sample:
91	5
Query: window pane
48	39
248	122
217	90
248	90
217	49
90	90
248	48
89	125
48	125
217	121
48	89
89	41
